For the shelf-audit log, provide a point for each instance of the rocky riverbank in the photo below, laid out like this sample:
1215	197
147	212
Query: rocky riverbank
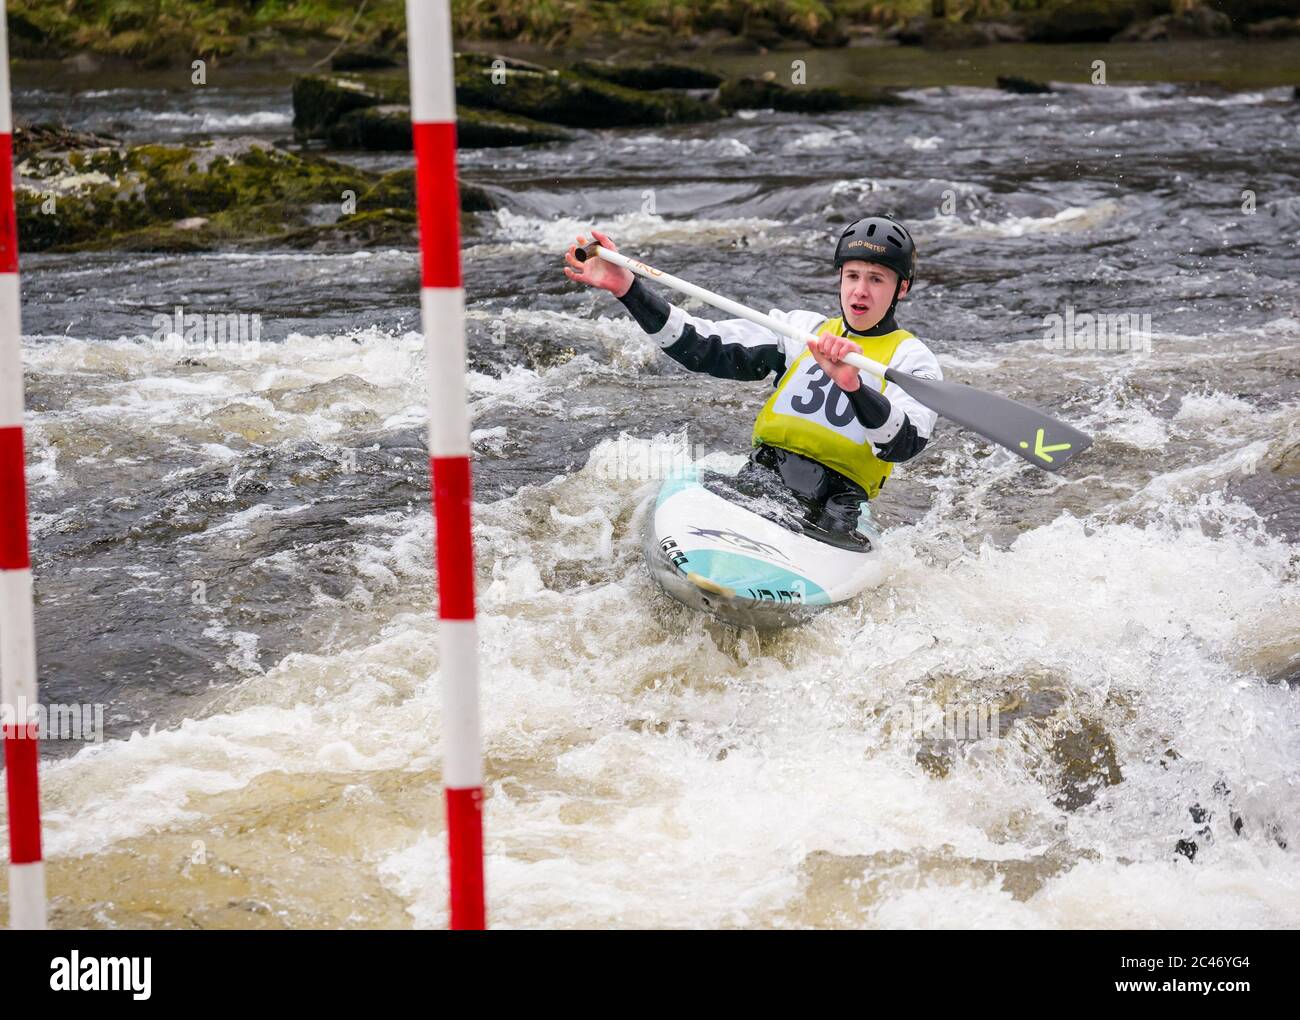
82	191
78	191
512	102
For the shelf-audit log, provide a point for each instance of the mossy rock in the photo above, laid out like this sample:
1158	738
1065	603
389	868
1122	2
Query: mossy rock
489	61
373	128
320	100
562	97
388	129
1076	21
245	186
475	199
758	94
380	228
396	190
362	58
489	129
229	193
1086	758
147	239
31	138
659	74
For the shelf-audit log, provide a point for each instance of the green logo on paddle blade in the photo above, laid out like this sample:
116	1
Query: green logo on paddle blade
1042	451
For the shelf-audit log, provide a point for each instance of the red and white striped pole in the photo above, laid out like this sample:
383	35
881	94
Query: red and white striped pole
442	304
17	631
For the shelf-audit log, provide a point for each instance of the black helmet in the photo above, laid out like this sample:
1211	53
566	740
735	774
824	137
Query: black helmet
879	239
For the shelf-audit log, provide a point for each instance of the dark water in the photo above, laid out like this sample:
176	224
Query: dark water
240	537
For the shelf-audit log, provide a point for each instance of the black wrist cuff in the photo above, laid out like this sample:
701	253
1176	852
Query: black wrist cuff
648	308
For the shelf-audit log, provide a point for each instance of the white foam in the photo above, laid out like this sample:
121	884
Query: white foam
1072	219
627	230
649	768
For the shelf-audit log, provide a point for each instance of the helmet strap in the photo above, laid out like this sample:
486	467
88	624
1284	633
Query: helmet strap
894	304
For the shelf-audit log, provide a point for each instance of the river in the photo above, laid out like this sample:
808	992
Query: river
233	548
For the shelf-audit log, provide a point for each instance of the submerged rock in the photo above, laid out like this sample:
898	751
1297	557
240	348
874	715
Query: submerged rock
659	74
573	100
374	114
1086	760
1022	86
759	94
362	59
396	190
379	228
375	128
487	129
320	100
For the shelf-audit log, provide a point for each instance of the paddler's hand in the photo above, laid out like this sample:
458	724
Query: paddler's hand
598	272
828	350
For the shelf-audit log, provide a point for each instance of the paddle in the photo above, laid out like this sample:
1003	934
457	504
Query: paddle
1025	431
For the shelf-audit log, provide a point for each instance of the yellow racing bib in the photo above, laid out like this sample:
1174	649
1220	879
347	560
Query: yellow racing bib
808	414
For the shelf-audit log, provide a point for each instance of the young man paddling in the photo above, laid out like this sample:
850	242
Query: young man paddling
830	432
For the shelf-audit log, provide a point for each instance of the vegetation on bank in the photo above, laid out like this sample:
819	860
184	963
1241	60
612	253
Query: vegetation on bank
160	32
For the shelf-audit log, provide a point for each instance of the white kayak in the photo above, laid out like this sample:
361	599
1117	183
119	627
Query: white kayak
719	557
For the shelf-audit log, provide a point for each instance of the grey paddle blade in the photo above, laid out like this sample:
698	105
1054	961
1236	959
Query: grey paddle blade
1037	437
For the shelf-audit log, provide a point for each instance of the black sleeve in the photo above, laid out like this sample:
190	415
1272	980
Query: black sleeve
648	308
872	409
710	354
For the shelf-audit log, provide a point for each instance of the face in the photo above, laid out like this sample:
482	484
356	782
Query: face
866	292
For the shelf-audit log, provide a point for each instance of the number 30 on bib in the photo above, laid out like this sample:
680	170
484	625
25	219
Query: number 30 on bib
811	395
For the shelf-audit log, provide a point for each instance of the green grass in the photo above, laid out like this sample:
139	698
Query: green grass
158	29
161	31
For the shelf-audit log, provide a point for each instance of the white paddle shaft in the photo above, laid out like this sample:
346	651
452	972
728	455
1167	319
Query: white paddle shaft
726	304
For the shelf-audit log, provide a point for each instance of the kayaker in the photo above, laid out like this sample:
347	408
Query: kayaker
831	432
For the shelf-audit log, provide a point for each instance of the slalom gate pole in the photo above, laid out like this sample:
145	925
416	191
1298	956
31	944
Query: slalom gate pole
442	306
17	631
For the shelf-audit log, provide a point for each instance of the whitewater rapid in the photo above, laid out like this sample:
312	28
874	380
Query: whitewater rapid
233	550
